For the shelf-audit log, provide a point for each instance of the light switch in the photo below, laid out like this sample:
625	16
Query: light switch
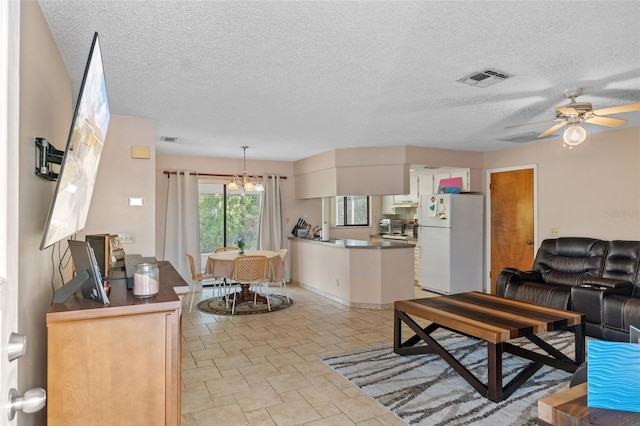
136	201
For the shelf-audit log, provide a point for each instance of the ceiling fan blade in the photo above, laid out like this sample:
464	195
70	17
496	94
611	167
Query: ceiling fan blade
617	109
551	130
531	122
568	110
606	121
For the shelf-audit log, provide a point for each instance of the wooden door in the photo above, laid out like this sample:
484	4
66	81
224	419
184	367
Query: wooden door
512	215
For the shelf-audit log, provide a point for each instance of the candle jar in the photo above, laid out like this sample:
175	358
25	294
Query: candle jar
146	280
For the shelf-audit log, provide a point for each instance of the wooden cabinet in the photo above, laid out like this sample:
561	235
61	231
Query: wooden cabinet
118	363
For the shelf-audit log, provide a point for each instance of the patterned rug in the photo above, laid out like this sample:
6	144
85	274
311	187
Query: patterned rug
425	390
217	306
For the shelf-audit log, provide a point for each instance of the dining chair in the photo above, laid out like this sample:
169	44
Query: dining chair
201	279
249	270
282	284
221	249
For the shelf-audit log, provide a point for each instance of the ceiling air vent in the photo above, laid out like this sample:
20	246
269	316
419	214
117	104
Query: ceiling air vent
168	139
485	78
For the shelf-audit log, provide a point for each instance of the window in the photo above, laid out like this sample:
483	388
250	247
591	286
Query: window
225	215
352	210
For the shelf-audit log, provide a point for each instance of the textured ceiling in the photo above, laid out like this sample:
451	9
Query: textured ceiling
292	79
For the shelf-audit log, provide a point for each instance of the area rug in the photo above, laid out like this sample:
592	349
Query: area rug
425	390
217	306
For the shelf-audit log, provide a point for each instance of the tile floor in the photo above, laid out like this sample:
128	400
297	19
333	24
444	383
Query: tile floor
266	369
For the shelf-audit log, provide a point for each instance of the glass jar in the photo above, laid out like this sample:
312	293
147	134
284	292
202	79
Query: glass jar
146	282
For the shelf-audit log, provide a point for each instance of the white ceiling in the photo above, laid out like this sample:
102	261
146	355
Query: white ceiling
292	79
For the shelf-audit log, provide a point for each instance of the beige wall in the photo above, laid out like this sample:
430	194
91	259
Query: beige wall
292	209
373	171
121	177
592	190
45	111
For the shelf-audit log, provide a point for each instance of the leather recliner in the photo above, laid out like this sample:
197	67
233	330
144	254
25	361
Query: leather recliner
560	264
600	279
607	301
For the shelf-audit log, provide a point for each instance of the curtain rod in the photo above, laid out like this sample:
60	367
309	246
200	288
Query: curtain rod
171	172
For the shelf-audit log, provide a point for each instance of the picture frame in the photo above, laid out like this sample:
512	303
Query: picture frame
117	252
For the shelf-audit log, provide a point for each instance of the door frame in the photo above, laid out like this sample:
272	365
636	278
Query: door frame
9	198
489	172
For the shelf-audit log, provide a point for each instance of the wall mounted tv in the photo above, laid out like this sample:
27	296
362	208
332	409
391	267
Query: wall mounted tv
79	165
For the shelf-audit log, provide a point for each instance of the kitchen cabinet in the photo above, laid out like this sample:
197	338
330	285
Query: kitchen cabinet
387	204
471	180
412	196
425	185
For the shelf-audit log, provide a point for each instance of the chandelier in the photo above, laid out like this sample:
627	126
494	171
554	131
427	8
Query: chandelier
245	182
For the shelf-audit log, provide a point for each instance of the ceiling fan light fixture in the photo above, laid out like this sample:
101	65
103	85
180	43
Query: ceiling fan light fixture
574	135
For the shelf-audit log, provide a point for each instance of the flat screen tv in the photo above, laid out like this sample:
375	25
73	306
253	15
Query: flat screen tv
79	166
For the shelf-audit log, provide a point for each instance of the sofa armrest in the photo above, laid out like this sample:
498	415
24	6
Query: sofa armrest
588	298
605	283
526	275
516	276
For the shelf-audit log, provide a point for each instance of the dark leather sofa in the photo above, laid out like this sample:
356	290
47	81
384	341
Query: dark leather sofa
600	279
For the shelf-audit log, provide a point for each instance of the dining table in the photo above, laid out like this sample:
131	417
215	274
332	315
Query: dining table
221	265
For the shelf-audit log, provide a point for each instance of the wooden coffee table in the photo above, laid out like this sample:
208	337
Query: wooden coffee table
496	320
569	408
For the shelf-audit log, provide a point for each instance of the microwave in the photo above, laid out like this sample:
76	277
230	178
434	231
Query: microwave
390	226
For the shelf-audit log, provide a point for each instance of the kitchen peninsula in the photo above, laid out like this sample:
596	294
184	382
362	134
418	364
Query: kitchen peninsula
356	273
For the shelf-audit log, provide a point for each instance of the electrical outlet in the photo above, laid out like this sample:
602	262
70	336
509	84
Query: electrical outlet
555	232
337	282
127	237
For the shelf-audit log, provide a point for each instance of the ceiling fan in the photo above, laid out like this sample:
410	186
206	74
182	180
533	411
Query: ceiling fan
572	114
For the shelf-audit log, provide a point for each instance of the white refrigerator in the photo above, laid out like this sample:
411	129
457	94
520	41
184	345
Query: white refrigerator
450	237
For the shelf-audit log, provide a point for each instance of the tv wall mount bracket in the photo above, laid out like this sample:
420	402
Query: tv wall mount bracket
46	156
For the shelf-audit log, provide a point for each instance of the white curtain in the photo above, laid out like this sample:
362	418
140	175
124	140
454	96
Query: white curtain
182	228
270	214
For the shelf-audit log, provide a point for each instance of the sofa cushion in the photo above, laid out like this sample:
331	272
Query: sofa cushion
550	295
567	260
623	262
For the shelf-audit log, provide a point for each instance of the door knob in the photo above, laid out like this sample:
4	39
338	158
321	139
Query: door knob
17	346
33	400
529	243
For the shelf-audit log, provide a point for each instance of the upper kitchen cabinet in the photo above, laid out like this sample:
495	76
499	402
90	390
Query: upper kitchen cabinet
425	184
387	204
471	180
413	196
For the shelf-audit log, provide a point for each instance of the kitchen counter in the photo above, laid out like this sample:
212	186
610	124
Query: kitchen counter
356	244
396	237
342	271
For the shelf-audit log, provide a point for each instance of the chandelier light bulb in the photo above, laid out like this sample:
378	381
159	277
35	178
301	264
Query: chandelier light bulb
574	135
244	182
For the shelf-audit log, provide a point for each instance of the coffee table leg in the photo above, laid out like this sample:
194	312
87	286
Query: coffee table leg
579	343
397	331
494	364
